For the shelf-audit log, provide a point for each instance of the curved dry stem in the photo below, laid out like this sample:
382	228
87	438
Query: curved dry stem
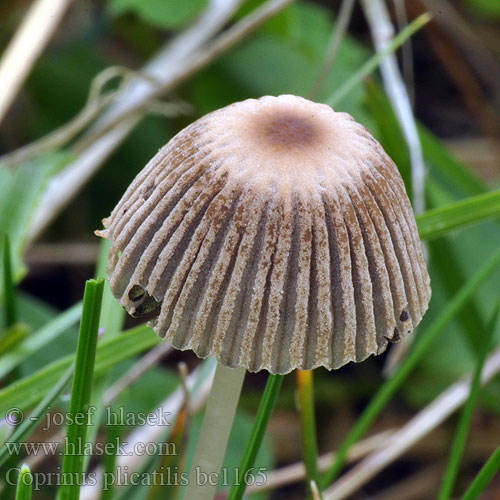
178	61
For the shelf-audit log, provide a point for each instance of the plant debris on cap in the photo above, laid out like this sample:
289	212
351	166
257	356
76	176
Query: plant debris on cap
273	234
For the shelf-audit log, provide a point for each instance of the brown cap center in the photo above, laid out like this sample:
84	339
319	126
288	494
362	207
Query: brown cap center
290	130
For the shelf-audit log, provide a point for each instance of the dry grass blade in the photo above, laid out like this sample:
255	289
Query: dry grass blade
28	43
429	418
297	472
341	24
382	33
175	63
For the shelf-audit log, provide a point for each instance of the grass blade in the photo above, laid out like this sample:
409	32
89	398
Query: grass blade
445	163
308	424
12	337
36	416
466	414
9	288
24	484
485	475
36	340
31	389
439	221
374	61
425	340
72	466
266	406
113	316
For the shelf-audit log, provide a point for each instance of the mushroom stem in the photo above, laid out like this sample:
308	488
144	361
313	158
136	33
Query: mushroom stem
214	433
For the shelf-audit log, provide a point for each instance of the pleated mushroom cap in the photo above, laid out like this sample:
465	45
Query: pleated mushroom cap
273	234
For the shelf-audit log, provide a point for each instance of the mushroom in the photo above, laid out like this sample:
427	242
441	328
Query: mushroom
272	234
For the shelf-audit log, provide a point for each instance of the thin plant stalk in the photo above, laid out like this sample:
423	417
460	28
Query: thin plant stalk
266	406
341	24
214	433
383	395
489	469
462	431
9	336
24	484
374	61
113	316
378	18
308	425
73	461
9	289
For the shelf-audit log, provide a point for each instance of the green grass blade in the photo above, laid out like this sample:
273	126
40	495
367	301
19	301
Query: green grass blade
374	61
112	318
36	340
466	414
72	467
424	341
36	416
308	424
266	406
8	283
443	161
24	484
12	338
489	469
31	389
450	272
439	221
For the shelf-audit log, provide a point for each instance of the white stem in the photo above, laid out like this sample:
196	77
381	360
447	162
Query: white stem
382	33
214	433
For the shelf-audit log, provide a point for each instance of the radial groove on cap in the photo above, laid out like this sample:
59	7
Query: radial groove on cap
180	328
363	290
377	269
344	318
234	308
252	335
148	173
422	278
241	287
274	234
269	347
396	229
175	234
320	301
396	283
220	287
